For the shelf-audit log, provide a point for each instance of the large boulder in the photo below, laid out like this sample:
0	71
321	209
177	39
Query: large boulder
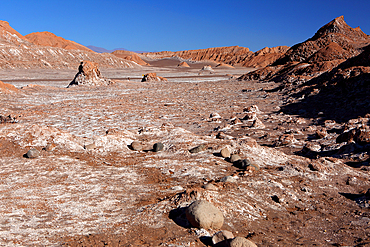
202	214
89	75
152	77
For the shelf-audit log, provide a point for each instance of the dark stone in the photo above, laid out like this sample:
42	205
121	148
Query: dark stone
198	149
32	153
157	147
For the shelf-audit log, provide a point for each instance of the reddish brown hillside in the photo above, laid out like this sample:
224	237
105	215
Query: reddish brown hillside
129	55
232	55
48	51
331	45
8	34
50	39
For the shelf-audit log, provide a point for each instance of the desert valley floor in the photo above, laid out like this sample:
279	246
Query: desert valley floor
89	188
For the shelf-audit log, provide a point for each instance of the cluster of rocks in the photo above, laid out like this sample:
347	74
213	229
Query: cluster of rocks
8	119
203	214
349	141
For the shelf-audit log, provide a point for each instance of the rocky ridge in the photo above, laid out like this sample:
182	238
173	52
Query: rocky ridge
332	44
17	52
232	55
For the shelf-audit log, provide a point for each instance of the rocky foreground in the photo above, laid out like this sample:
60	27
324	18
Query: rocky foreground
119	165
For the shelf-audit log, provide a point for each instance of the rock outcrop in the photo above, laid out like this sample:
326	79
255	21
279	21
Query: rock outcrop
150	77
50	39
89	75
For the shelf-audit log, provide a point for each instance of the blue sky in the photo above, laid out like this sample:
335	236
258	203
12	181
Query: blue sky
159	25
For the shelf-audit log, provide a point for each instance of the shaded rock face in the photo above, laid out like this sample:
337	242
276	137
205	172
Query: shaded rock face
89	75
152	77
331	45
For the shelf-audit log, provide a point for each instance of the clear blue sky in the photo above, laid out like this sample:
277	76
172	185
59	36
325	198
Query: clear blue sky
157	25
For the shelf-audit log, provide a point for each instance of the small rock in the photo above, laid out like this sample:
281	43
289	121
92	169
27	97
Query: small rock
90	146
321	133
198	149
285	139
215	115
207	67
275	198
362	136
136	146
234	157
222	135
257	124
246	164
177	188
228	179
210	187
252	108
312	146
33	153
157	147
225	153
236	121
241	242
202	214
222	236
346	136
50	147
250	116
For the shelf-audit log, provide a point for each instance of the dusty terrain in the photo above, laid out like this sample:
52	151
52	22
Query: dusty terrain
88	188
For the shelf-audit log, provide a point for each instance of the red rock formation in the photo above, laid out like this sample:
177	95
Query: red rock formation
89	75
331	45
50	39
152	77
129	55
232	55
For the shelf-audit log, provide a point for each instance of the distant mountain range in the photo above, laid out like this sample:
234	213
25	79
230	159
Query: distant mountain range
103	50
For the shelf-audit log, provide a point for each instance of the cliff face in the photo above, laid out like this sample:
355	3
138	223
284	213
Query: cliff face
232	55
332	44
50	39
18	52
